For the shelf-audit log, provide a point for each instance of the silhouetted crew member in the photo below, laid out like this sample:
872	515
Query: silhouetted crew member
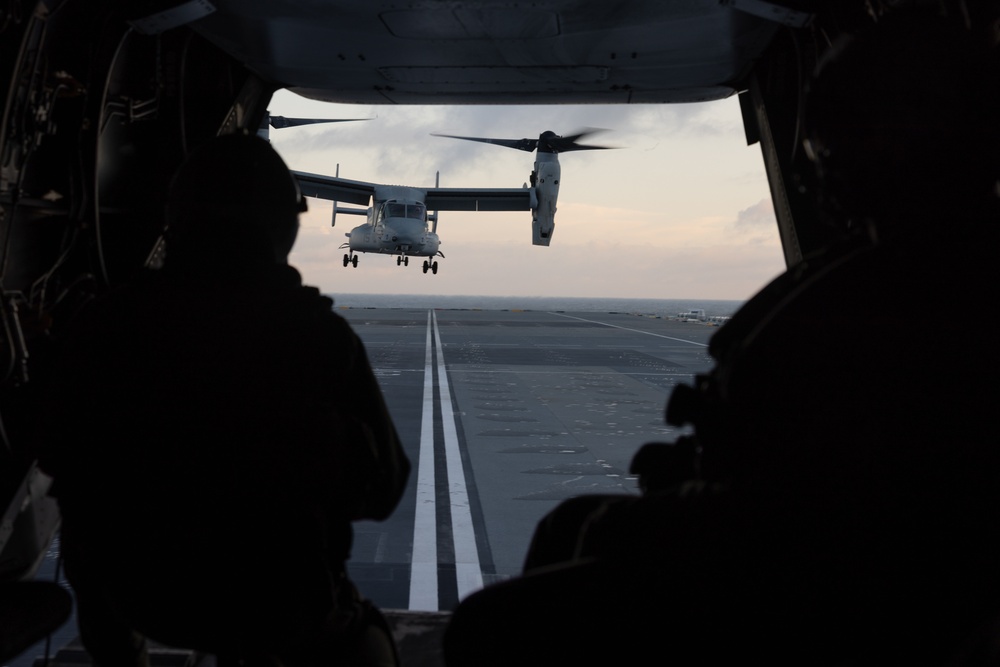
855	512
220	430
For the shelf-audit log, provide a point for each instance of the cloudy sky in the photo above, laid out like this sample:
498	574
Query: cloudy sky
680	210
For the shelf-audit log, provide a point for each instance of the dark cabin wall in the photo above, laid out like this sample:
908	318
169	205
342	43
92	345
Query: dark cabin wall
96	117
772	113
772	97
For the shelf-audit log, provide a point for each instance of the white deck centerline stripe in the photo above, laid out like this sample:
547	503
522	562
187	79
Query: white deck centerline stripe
615	326
424	563
467	568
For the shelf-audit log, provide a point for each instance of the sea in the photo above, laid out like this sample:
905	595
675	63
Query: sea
566	304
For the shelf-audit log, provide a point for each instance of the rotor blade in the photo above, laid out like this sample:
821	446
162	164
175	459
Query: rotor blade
569	143
550	140
520	144
280	122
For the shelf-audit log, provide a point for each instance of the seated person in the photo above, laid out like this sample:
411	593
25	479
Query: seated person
852	505
219	428
575	529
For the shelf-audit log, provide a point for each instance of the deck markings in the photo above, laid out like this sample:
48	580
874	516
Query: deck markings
467	567
424	585
578	370
615	326
424	566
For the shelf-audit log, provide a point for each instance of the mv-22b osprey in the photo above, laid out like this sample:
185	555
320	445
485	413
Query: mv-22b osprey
398	216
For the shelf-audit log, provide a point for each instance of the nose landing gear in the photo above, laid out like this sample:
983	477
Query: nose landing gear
433	266
403	259
351	259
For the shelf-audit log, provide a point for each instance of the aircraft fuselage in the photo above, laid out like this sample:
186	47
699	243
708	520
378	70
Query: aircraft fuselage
396	236
396	227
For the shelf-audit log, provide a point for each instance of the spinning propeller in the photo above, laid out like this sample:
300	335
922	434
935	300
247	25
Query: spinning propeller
547	142
281	122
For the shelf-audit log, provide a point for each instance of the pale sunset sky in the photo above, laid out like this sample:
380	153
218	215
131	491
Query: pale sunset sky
681	210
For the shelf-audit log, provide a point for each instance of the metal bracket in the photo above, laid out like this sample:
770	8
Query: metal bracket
792	18
185	12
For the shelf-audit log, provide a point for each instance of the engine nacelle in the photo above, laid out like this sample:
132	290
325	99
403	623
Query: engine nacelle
545	179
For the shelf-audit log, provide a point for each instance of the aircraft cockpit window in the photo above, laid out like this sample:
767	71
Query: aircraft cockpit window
393	210
416	211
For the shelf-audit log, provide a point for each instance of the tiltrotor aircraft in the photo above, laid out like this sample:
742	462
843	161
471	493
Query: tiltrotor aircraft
398	219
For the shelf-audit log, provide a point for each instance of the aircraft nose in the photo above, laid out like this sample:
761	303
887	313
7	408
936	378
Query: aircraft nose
405	232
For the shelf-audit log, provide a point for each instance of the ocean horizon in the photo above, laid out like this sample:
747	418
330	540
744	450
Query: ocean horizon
647	307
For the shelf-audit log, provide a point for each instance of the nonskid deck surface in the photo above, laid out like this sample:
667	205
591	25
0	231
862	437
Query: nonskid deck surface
532	407
503	415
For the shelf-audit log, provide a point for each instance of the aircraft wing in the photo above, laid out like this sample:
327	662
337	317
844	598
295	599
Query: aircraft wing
481	199
339	189
334	188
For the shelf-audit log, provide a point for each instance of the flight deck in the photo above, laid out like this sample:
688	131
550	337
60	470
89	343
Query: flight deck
503	415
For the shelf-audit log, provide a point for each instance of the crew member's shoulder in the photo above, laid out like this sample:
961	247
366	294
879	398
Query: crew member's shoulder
320	308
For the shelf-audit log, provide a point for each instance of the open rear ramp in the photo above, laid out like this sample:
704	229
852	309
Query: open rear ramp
418	636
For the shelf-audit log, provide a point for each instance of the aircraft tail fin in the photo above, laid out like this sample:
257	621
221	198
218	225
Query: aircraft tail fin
433	217
333	220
